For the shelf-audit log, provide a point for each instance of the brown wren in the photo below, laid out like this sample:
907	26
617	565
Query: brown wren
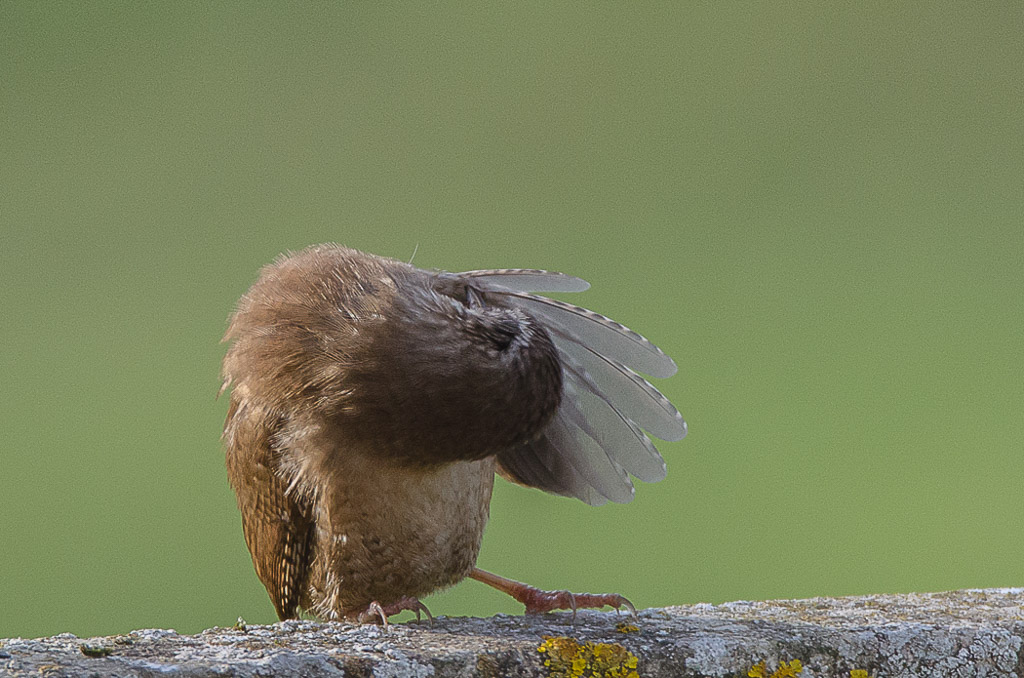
372	402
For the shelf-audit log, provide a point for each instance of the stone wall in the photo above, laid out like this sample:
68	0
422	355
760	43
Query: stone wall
963	633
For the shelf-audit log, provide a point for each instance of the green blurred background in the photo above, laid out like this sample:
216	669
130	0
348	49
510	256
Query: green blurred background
817	210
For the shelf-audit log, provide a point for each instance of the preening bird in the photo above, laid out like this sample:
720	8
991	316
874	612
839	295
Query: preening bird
372	402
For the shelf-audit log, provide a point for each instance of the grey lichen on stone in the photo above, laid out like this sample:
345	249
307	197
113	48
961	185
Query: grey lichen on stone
963	633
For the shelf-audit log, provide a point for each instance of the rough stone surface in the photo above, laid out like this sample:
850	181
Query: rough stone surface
962	633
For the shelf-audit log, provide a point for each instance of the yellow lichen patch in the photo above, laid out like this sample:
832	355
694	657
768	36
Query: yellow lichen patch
95	650
859	673
565	658
790	669
626	627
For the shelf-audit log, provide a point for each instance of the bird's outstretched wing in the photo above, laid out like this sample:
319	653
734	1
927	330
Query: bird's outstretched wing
596	439
278	528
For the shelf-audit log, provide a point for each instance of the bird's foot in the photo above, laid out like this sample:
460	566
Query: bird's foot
538	601
375	612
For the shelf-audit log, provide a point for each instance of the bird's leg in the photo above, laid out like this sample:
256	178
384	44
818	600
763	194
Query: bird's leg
375	611
538	601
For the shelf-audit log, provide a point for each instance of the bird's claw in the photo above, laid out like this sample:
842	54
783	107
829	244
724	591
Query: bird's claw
375	611
538	601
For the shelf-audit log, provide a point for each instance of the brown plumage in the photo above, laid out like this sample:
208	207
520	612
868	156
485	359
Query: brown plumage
372	402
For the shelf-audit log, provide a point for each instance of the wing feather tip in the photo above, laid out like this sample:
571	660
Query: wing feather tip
677	433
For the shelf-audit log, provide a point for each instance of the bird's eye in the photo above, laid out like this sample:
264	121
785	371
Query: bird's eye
503	332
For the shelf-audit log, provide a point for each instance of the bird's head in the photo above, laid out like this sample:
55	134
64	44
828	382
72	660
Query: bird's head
447	376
